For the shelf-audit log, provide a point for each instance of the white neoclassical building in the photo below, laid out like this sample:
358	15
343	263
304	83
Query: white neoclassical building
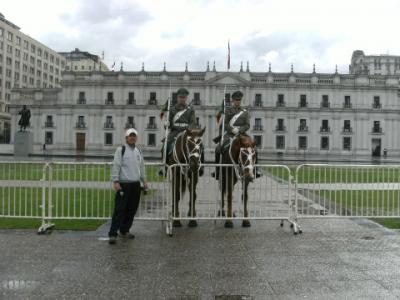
291	113
24	63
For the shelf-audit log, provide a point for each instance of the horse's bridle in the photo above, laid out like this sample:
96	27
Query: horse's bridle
187	153
239	168
196	150
249	153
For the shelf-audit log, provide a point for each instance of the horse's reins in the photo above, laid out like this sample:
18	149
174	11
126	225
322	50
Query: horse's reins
196	152
241	163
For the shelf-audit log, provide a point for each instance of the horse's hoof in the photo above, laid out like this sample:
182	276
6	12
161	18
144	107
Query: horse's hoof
176	223
219	213
192	223
246	223
228	224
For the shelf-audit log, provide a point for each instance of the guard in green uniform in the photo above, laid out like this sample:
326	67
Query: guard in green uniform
237	121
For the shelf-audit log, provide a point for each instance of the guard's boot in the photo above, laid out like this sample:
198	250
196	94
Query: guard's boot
216	173
257	171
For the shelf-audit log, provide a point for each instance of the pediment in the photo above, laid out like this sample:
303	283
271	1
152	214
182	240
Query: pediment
229	80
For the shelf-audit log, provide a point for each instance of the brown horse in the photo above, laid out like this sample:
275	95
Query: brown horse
242	155
186	155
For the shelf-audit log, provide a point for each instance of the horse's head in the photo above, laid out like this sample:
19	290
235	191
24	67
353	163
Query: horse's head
247	157
194	147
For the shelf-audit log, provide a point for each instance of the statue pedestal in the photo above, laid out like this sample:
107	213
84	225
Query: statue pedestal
23	143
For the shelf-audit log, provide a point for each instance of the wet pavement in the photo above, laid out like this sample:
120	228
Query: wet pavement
332	259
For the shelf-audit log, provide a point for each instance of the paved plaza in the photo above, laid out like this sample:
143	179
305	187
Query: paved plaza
332	259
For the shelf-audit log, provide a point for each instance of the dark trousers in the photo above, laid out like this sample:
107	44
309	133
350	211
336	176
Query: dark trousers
125	208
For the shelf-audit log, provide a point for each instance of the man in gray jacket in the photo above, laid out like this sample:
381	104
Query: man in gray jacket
127	173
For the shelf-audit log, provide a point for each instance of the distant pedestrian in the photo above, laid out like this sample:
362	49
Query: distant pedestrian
128	172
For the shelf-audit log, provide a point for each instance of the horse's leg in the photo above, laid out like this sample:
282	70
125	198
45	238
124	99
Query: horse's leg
192	201
222	179
229	223
246	222
176	196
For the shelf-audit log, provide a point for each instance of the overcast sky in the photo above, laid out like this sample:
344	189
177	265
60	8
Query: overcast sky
302	32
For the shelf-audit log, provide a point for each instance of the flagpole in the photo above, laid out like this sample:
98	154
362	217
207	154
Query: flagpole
167	127
228	65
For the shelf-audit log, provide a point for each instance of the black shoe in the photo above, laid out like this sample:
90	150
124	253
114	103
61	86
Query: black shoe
161	173
258	174
201	171
127	235
112	240
213	174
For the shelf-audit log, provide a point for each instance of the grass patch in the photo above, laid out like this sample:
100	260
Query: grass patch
310	174
369	203
18	223
392	223
65	172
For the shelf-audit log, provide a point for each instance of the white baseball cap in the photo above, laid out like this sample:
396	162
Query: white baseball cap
130	131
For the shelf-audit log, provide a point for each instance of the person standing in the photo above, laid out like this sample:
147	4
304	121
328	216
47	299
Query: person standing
128	171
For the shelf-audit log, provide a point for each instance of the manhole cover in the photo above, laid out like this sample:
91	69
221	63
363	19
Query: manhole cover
233	297
368	238
19	284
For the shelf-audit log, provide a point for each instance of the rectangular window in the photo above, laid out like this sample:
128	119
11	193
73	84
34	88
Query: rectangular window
325	101
280	125
347	143
82	98
18	41
281	100
49	121
377	127
108	138
324	143
9	36
151	139
131	98
377	102
280	142
257	124
26	45
258	100
303	101
346	126
303	125
258	140
110	98
302	142
130	122
48	138
153	96
325	126
196	98
347	102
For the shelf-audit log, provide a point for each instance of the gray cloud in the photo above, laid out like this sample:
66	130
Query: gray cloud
112	26
102	25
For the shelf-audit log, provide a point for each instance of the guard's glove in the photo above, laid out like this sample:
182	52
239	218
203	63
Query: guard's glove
166	123
235	130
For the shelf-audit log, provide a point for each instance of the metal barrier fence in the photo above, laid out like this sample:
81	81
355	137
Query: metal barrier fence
341	191
22	189
269	198
53	191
